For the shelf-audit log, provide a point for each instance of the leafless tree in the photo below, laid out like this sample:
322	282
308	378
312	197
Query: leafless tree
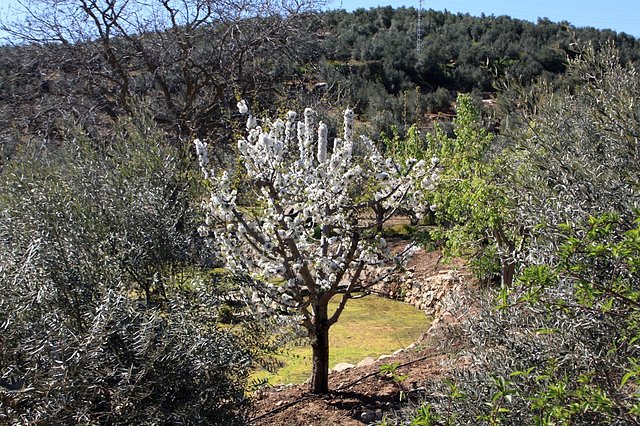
188	59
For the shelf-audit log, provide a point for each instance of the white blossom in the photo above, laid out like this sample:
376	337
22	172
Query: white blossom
243	107
322	142
251	122
307	213
203	157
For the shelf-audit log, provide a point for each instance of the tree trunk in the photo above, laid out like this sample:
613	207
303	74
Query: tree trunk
379	210
320	346
507	263
508	271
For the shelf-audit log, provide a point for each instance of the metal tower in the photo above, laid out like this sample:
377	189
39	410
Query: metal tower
419	30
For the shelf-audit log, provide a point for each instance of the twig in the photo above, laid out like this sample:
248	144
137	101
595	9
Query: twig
431	355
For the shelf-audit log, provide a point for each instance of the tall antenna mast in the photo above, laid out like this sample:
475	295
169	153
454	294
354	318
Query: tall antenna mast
419	30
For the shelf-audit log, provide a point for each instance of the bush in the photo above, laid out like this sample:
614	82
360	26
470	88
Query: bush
562	346
95	326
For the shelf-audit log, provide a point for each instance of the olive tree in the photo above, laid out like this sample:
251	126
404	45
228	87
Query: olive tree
306	238
575	153
97	326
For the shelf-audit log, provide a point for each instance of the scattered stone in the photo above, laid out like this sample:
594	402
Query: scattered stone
366	362
368	416
341	366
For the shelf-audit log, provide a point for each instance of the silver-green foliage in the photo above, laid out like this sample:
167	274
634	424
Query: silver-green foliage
562	347
94	328
576	154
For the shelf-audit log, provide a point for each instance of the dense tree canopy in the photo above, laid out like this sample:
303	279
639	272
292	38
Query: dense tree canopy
375	50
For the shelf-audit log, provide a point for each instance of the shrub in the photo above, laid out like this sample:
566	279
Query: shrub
562	346
95	326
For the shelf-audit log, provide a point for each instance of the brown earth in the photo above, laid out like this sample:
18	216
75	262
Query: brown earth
362	394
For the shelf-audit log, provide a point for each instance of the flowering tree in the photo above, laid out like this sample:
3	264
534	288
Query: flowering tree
306	238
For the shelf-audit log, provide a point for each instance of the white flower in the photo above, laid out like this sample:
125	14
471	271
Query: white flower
243	107
203	231
203	159
322	142
251	122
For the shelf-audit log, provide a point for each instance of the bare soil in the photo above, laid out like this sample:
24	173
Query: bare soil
360	393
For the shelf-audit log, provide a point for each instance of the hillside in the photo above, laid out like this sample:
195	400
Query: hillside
366	59
190	189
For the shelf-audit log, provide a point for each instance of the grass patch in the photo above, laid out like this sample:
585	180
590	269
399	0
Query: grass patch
401	230
371	326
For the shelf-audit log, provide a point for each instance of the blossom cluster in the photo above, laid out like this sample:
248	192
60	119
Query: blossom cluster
307	231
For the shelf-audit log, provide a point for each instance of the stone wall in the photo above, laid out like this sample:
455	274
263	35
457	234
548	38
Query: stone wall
429	294
428	287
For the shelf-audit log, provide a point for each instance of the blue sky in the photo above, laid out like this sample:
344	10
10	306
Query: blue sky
618	15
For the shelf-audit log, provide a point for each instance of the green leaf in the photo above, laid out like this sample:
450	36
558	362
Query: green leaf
626	377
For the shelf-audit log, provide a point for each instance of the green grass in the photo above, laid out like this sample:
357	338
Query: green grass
371	326
402	230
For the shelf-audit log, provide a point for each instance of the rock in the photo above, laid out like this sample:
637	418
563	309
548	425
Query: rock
381	357
368	416
367	361
341	366
448	318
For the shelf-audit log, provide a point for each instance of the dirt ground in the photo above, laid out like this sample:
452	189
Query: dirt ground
361	395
